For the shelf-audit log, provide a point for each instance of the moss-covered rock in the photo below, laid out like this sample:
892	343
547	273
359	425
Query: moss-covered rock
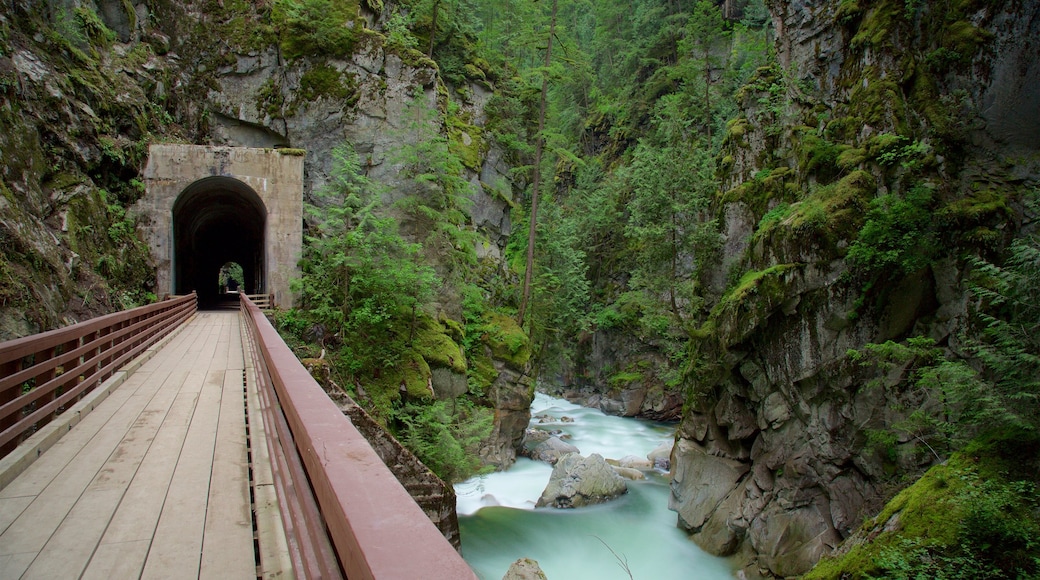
433	342
507	341
974	511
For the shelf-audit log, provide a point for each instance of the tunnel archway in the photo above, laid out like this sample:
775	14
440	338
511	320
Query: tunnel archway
217	220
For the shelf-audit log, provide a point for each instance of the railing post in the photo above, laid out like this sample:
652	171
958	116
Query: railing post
6	396
41	379
69	347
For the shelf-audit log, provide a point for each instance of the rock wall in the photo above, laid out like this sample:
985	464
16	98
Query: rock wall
772	461
77	109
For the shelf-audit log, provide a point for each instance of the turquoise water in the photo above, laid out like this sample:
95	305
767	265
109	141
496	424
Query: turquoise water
499	523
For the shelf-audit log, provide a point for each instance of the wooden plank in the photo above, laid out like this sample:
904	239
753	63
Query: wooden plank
11	508
115	561
45	468
138	513
274	547
34	527
227	548
169	424
12	566
72	545
67	552
177	546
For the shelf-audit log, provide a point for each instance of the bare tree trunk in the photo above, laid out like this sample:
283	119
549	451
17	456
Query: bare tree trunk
539	145
433	28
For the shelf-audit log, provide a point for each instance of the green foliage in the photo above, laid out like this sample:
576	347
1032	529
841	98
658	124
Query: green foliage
671	185
445	435
898	236
231	271
398	35
440	191
317	27
970	518
324	81
1010	336
361	279
94	29
773	216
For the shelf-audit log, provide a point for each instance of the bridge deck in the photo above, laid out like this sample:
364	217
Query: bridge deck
154	483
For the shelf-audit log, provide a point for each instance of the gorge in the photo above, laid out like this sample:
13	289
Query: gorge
804	230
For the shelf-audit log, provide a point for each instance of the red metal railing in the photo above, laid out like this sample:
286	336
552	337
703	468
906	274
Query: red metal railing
344	512
44	374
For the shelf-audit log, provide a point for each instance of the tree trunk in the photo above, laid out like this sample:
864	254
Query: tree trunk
539	145
433	28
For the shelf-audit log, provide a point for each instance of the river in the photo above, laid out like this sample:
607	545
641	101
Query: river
635	533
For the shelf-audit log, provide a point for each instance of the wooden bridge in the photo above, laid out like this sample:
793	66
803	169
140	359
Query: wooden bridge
165	442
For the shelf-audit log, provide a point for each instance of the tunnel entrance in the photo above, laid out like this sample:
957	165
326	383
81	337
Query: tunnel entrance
218	220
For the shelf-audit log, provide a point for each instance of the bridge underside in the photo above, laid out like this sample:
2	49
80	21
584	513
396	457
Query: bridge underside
217	220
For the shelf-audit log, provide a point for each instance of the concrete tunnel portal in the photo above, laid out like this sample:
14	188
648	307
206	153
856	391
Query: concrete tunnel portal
217	220
205	206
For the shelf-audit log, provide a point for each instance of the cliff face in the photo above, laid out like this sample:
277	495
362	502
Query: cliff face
869	99
78	104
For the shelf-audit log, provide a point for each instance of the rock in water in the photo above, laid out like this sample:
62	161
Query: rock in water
551	450
629	473
661	456
578	481
525	569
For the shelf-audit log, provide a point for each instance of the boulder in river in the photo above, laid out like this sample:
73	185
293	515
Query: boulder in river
629	473
551	450
579	481
525	569
632	462
661	456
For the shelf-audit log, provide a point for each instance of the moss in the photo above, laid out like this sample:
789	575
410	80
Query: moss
453	328
751	283
842	206
931	517
432	342
467	142
768	187
99	35
324	81
878	101
877	25
270	101
291	152
482	373
978	218
634	373
816	155
736	127
851	157
507	341
848	10
964	39
322	28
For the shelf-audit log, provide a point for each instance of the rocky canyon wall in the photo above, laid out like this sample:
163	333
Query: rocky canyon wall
773	462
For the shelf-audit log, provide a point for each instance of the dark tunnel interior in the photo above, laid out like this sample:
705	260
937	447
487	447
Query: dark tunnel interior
217	220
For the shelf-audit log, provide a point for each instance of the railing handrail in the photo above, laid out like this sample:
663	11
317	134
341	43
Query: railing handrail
264	301
375	527
91	351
